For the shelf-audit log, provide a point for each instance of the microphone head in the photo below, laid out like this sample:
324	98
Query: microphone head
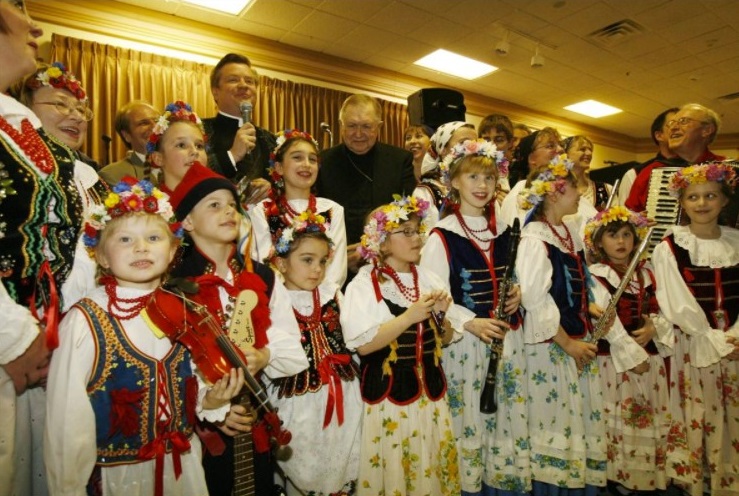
325	126
245	108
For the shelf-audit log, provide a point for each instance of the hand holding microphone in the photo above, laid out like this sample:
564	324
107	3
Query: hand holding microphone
327	129
246	137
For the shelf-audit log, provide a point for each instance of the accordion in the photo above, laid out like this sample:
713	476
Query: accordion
661	206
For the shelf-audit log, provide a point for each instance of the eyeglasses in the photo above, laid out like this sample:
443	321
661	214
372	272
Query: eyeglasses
365	128
683	121
408	232
66	109
549	146
498	140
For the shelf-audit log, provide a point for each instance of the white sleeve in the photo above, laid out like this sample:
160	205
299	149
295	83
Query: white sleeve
261	239
336	270
534	274
286	353
625	352
81	279
625	187
434	256
677	303
361	313
18	330
70	445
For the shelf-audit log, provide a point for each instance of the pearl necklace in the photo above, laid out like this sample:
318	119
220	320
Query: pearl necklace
567	242
29	140
124	308
410	293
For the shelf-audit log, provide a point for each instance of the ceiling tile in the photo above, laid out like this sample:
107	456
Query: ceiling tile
263	12
400	18
358	11
324	26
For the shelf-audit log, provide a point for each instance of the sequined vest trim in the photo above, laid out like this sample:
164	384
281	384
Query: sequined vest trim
319	339
119	389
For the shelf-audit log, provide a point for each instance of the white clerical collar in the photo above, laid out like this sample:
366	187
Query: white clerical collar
224	114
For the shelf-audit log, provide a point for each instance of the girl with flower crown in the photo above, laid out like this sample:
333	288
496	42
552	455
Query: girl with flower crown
294	169
565	412
322	405
397	316
635	394
431	187
697	272
469	249
122	397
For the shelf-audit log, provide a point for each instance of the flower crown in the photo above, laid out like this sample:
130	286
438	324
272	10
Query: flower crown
174	112
551	179
128	196
387	218
473	148
614	214
282	137
307	222
57	76
697	174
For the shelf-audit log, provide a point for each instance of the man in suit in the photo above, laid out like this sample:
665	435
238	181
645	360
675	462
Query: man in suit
361	174
133	123
237	149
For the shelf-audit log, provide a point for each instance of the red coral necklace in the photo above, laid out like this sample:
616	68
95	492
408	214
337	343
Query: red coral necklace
567	242
124	308
29	140
411	293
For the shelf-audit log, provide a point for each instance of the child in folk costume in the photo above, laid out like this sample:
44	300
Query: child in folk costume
294	171
207	205
122	396
470	251
567	425
636	401
394	316
697	272
322	405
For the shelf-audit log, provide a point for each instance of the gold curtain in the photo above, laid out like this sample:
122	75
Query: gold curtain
114	76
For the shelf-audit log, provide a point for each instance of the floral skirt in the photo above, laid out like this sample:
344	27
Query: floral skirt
408	450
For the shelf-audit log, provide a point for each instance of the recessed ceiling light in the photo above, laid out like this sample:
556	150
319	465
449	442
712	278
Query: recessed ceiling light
233	7
455	64
592	108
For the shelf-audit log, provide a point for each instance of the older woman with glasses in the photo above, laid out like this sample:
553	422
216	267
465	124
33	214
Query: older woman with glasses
59	100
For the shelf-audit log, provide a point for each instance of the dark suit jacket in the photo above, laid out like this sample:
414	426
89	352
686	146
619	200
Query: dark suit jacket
221	131
391	171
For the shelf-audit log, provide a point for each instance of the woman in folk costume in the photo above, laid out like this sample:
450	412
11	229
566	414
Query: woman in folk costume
395	316
697	272
470	250
636	402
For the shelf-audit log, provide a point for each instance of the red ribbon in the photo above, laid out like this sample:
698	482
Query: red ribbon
157	449
50	319
335	392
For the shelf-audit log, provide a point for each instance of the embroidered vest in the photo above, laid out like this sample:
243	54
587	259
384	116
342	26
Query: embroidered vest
401	370
472	278
124	403
630	308
26	225
709	286
320	340
570	292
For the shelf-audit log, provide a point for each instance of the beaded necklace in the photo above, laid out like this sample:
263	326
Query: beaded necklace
124	308
410	293
312	321
30	142
294	213
472	234
567	242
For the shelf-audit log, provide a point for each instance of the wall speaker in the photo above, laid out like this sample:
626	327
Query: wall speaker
435	106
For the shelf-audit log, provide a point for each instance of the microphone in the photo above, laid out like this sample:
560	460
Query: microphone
327	129
245	108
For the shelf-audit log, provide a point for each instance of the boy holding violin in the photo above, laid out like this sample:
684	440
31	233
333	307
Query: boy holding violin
122	396
207	204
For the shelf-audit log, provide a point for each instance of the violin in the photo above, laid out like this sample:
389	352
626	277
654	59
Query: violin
184	320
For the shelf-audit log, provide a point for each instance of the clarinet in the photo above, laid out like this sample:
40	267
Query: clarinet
488	403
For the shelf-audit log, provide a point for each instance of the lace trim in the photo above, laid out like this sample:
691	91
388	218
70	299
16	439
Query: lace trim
714	253
540	231
302	301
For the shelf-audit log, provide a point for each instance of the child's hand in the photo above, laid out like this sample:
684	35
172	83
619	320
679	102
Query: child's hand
581	351
442	300
513	300
421	309
734	355
224	390
595	310
239	419
487	329
644	334
641	368
256	359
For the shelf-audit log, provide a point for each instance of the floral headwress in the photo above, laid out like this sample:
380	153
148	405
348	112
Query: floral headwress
307	222
473	148
722	172
57	76
127	197
388	218
282	138
551	179
174	112
614	214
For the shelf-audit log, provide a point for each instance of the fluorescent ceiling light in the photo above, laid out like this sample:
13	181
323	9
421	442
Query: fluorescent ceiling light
591	108
455	64
233	7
